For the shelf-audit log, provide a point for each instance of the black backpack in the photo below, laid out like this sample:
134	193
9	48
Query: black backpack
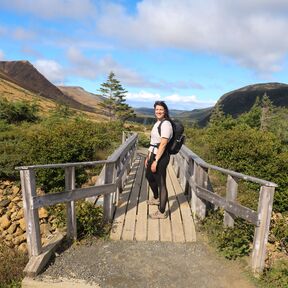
177	139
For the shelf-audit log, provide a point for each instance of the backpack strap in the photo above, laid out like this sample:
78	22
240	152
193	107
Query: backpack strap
159	127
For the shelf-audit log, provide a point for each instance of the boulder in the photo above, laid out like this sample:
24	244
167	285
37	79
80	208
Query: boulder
23	247
5	202
22	224
12	228
43	213
5	221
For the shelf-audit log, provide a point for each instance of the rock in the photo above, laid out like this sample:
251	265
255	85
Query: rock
23	247
5	202
15	189
11	206
5	221
5	184
9	237
43	213
45	229
16	199
12	228
18	232
22	224
19	239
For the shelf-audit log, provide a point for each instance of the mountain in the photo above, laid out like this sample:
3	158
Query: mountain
241	100
82	96
25	75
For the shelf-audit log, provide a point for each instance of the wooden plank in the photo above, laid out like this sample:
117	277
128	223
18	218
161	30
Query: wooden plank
31	215
185	210
37	263
142	212
231	195
262	232
70	206
130	219
232	207
153	224
119	218
73	195
176	221
165	228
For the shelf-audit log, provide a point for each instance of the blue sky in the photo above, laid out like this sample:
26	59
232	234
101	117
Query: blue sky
187	53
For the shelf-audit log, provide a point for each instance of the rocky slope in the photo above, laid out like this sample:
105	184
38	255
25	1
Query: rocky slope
12	223
25	75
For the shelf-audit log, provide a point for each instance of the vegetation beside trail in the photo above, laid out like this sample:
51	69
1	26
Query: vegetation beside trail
256	144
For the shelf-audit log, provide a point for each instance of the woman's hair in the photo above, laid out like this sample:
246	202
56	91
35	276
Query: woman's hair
164	105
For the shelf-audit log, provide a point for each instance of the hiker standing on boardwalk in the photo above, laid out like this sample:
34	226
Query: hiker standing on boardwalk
158	158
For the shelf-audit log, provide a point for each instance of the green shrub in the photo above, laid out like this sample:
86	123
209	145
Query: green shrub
143	140
277	276
231	242
14	112
56	141
12	265
89	219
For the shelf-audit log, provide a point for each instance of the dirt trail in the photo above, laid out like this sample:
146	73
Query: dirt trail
147	264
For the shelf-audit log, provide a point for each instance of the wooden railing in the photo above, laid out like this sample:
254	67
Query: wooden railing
112	179
193	175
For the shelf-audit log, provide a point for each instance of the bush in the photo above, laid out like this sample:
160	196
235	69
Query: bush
231	242
12	265
55	141
144	140
277	276
15	112
89	219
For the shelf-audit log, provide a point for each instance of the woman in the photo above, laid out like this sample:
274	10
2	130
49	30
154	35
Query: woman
158	158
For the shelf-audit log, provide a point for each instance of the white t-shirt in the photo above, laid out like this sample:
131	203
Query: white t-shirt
166	132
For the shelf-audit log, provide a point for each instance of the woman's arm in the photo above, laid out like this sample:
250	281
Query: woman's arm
160	151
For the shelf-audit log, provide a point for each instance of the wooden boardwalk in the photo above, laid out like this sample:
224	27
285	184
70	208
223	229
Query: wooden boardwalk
132	221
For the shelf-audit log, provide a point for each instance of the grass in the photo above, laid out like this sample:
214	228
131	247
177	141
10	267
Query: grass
12	265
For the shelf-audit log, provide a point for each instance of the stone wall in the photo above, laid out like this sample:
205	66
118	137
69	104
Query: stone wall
12	223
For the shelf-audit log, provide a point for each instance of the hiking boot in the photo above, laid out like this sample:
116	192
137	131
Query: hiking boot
153	201
158	215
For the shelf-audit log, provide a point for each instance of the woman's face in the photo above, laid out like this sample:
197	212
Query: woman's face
159	112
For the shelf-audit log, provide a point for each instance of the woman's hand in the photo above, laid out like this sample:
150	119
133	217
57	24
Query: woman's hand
154	167
146	162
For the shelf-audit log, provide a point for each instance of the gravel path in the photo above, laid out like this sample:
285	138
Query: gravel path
147	264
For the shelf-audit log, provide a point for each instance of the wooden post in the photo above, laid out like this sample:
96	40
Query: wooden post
176	166
202	181
70	206
123	137
262	231
108	198
184	182
193	167
231	195
31	215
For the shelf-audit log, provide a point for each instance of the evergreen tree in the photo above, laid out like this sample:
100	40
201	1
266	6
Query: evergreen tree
114	102
217	115
266	111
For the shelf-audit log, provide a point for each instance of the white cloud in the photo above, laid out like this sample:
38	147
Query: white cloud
51	9
1	55
51	70
143	95
144	98
250	32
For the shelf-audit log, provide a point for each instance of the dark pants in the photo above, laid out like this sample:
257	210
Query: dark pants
157	180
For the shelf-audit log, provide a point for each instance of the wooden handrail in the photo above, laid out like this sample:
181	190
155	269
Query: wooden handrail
113	175
193	171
